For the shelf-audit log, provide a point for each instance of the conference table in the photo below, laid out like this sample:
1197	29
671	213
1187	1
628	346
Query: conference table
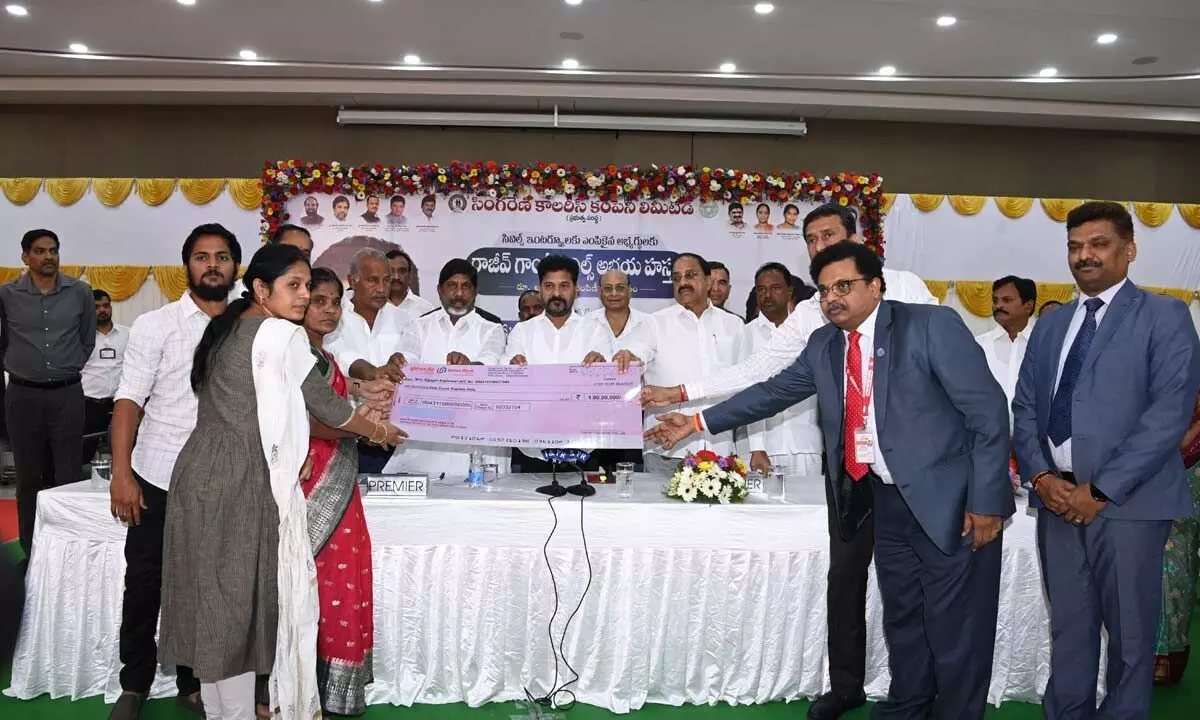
687	603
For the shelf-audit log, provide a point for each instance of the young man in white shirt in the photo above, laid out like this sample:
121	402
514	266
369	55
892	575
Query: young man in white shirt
557	336
790	441
1013	301
849	560
457	333
101	375
687	341
155	404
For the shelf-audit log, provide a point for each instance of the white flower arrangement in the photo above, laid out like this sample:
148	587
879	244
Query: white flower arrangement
709	478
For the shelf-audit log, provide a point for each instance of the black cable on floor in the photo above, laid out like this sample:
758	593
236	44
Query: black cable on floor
548	698
562	641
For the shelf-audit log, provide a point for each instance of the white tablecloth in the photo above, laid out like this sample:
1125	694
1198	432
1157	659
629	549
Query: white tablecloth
688	603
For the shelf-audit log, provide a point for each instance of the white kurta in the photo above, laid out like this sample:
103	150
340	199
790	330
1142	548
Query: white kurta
1004	356
430	338
679	347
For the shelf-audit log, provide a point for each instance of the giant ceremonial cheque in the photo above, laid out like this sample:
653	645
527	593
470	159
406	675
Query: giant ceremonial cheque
490	433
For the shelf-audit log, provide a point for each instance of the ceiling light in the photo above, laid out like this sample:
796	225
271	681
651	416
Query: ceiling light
946	21
570	64
764	8
248	55
887	70
375	1
574	2
18	10
411	59
78	48
1048	72
1107	38
728	67
189	3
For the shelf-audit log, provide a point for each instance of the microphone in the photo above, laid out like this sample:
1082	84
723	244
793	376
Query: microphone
554	457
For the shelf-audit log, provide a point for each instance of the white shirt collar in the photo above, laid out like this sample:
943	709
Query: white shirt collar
999	332
681	310
1107	296
189	305
867	329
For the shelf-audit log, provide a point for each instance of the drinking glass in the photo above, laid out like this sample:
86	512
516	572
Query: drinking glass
776	487
624	479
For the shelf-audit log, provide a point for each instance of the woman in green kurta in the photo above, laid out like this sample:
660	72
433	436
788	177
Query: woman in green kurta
1181	566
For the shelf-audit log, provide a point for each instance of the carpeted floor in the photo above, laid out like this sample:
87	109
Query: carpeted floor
1176	703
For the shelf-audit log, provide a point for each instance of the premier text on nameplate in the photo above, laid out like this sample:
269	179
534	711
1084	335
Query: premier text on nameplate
545	406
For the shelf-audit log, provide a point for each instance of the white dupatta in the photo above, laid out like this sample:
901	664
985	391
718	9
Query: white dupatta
282	360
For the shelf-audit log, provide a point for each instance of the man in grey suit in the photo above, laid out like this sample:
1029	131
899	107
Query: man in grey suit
916	433
1105	394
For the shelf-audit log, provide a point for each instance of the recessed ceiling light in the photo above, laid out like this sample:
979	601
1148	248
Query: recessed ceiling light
78	48
248	55
189	3
1048	72
1107	38
728	67
375	1
574	2
18	10
570	64
887	70
764	8
411	59
946	21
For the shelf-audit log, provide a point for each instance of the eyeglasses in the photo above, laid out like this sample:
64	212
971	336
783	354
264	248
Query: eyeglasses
841	288
688	275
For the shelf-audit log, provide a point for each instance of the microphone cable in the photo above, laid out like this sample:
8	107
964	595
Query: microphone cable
548	698
563	689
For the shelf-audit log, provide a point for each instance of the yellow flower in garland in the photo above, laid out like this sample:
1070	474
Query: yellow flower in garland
535	175
317	173
441	178
843	201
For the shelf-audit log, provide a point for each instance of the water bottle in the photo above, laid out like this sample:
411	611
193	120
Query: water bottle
475	473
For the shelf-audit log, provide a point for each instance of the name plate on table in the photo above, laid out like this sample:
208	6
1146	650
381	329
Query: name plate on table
540	406
756	484
405	487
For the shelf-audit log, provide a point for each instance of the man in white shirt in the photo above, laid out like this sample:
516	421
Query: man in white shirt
1013	301
557	336
368	338
529	304
790	441
615	312
457	333
155	404
101	375
825	226
367	341
689	340
400	292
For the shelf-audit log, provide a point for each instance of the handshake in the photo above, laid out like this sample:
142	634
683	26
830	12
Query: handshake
672	427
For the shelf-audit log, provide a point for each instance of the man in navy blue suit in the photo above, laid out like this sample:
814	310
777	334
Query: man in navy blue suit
1105	394
916	433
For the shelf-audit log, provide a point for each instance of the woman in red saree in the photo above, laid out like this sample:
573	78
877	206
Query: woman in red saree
337	526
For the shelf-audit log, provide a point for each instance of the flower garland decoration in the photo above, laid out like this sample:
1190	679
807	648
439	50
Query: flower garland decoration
710	478
284	179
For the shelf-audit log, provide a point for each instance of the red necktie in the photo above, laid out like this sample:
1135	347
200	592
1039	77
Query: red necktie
854	418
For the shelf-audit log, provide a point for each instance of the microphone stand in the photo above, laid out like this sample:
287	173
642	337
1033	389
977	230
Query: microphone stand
553	489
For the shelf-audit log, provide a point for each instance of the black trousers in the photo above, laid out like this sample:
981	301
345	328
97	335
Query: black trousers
97	417
45	431
846	601
143	598
372	458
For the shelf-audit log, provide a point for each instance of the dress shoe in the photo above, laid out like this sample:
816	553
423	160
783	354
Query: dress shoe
128	707
832	706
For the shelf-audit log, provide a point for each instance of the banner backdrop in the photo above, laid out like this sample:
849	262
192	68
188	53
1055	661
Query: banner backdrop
505	239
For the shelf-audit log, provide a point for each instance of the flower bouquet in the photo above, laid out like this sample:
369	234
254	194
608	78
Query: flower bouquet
710	478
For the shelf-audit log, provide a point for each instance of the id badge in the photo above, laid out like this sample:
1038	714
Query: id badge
864	446
108	354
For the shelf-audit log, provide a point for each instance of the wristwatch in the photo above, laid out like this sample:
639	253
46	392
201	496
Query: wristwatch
1097	495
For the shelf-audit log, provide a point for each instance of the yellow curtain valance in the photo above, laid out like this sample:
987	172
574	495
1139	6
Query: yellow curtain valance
939	289
111	192
1151	214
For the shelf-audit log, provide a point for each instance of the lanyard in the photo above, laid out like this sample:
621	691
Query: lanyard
865	393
